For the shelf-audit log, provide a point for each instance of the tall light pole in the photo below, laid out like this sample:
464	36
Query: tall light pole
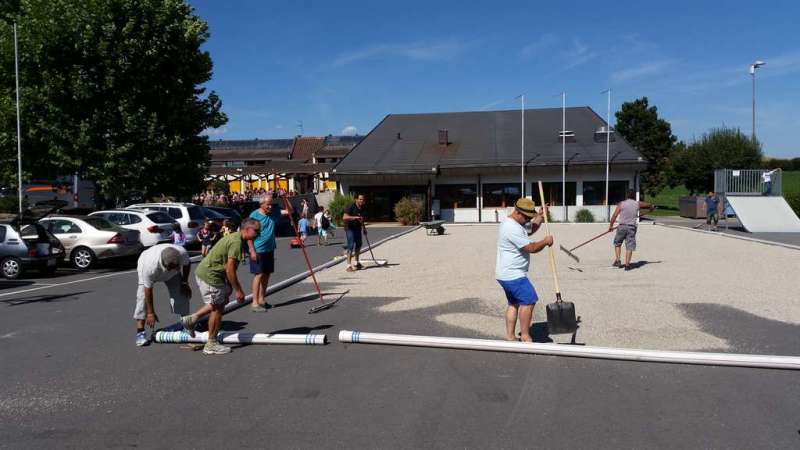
564	154
522	160
608	150
753	67
19	129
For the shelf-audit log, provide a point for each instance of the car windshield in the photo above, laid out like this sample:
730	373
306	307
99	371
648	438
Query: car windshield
160	217
101	224
211	214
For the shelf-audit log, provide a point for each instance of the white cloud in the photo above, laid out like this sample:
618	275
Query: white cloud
349	131
579	54
215	131
642	70
546	41
416	51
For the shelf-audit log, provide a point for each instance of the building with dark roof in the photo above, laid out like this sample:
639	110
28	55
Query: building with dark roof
302	164
470	167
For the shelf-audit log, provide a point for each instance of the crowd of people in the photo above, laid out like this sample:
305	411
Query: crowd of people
212	198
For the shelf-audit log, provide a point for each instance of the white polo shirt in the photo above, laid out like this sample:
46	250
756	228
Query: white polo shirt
150	268
512	261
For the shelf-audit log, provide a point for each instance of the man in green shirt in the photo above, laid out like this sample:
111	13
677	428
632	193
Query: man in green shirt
216	278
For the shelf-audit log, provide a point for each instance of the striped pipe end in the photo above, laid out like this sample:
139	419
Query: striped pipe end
172	337
347	336
316	339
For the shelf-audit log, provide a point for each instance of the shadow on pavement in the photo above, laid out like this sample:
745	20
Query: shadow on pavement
8	284
745	332
42	299
301	330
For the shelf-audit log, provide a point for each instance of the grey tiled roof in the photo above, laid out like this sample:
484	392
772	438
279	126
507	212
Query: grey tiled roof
482	139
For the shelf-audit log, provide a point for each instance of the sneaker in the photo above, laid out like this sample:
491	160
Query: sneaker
188	324
214	348
627	268
616	263
141	339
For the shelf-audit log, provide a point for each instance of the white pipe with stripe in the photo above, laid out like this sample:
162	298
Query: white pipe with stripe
182	337
659	356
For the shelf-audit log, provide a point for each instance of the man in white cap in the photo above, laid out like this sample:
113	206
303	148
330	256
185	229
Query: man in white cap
167	263
513	260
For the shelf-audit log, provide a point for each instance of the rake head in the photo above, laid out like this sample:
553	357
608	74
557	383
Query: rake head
570	254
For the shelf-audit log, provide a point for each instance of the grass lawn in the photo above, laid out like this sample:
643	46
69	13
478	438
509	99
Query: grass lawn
667	200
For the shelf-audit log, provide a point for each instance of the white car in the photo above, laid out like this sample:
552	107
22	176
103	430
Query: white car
87	239
189	215
154	227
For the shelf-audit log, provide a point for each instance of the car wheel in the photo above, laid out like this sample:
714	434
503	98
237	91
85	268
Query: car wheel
82	258
11	268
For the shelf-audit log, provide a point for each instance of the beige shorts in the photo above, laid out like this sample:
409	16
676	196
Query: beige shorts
213	295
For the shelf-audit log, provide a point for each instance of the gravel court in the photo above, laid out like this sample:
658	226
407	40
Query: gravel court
688	291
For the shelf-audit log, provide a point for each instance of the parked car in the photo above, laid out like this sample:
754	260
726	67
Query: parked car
87	239
38	249
154	227
188	215
214	217
229	213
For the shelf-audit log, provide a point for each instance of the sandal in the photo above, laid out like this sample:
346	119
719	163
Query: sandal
350	269
359	266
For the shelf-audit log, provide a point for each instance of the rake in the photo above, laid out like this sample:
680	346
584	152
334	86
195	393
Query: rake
324	305
570	250
366	236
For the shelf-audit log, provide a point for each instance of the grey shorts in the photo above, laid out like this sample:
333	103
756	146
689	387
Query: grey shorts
178	302
627	234
214	295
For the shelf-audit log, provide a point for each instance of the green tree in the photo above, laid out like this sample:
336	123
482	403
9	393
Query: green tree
720	148
639	124
111	89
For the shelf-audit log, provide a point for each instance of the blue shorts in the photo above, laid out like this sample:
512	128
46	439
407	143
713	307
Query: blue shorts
353	240
265	263
519	291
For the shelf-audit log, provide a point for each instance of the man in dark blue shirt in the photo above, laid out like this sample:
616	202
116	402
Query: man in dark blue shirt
712	205
353	223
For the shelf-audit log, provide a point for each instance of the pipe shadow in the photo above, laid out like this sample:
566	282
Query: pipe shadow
301	330
306	298
42	299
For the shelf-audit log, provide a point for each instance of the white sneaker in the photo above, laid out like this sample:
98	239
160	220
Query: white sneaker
141	339
214	348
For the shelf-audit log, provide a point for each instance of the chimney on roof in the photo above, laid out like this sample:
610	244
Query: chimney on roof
443	138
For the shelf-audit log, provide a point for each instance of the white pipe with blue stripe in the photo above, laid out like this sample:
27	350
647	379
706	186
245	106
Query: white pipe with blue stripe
182	337
624	354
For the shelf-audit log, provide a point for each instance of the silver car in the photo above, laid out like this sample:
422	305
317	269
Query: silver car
87	239
189	215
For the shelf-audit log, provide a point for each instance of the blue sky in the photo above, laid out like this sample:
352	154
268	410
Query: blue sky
340	67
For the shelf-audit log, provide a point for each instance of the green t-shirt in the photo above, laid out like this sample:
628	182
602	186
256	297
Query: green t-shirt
212	268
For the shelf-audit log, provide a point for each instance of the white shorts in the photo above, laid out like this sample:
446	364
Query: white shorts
213	295
178	302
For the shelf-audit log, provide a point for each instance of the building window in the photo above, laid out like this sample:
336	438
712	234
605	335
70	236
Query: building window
553	193
595	191
452	196
500	194
234	163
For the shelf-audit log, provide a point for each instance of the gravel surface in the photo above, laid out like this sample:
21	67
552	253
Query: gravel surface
688	291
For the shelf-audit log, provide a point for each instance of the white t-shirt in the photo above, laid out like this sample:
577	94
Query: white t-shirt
150	269
318	220
512	261
767	176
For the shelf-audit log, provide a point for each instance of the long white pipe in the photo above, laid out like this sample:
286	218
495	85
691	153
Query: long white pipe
181	337
702	358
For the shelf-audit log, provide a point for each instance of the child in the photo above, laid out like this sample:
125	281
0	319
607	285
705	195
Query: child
227	227
204	236
178	238
329	230
303	226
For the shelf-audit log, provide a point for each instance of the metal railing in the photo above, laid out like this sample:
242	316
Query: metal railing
748	182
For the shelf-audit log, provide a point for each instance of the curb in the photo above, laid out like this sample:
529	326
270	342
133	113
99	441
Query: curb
730	236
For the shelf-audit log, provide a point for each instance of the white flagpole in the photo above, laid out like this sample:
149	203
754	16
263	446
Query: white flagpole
19	129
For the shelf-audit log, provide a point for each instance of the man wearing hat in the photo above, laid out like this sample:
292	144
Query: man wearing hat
163	262
513	261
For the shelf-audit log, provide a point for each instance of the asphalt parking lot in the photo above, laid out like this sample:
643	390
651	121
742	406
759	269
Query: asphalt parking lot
72	377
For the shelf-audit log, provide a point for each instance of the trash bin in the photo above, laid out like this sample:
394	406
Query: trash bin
693	207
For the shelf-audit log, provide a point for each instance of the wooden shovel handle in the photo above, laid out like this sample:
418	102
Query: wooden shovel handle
549	248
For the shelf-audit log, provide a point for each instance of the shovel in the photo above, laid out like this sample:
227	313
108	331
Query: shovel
560	315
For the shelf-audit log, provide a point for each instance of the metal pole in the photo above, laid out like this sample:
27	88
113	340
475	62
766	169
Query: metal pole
19	129
608	151
564	154
522	161
754	103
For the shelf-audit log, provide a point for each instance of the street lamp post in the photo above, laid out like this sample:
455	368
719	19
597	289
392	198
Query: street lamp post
753	67
564	154
522	160
608	151
19	129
